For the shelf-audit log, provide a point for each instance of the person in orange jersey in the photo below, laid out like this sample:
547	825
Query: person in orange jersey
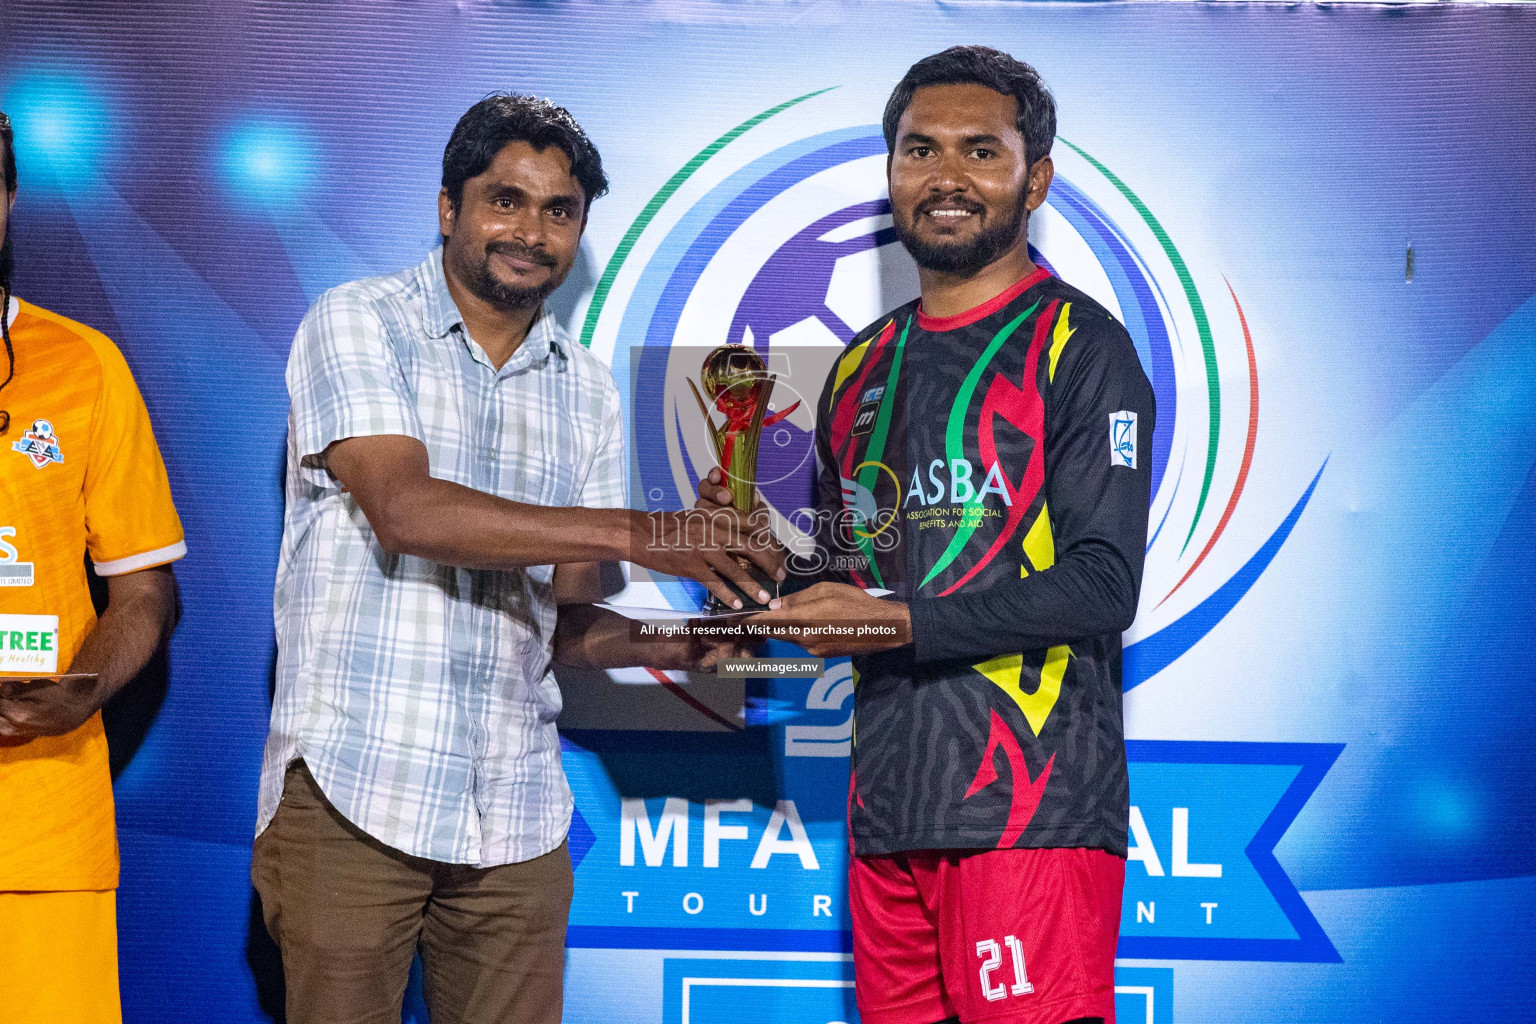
80	475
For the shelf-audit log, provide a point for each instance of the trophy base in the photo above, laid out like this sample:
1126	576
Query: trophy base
715	606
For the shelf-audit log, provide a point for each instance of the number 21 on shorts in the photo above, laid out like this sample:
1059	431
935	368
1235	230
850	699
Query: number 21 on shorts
991	955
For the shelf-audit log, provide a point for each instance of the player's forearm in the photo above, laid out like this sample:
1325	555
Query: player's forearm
588	637
456	525
1091	592
139	617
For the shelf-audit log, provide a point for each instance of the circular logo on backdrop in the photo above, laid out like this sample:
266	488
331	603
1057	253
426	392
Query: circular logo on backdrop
791	251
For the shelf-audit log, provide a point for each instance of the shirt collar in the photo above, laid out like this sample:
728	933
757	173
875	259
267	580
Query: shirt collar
546	338
12	311
440	312
546	341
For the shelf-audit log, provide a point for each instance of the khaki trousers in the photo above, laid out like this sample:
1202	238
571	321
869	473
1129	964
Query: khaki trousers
348	914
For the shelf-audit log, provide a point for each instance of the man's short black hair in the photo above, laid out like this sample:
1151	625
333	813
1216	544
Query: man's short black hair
981	65
502	118
7	153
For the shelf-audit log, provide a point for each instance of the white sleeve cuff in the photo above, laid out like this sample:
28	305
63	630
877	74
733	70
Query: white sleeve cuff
133	563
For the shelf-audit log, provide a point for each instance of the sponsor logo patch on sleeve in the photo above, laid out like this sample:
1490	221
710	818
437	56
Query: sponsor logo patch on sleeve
1122	439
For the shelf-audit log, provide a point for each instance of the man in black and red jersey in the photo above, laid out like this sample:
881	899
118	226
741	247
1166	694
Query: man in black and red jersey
995	425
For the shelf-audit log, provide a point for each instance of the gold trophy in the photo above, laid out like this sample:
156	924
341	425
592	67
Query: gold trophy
738	385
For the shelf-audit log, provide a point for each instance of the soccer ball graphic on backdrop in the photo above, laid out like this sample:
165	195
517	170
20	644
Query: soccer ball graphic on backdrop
813	294
809	299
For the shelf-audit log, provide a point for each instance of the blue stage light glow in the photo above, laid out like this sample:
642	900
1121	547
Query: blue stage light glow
63	124
268	163
1445	807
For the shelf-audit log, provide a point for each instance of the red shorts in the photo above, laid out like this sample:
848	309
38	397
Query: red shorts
1024	936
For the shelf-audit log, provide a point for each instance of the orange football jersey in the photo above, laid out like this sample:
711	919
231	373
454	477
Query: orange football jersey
79	472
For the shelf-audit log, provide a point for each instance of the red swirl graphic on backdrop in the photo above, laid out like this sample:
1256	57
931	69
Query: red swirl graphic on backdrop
1253	437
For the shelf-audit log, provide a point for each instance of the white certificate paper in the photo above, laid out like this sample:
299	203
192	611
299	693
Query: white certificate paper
660	613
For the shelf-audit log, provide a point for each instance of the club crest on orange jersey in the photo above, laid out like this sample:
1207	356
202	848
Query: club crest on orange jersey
39	444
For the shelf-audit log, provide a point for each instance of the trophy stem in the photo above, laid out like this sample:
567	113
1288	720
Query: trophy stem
742	487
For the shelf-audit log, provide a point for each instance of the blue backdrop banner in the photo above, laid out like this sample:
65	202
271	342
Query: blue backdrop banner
1316	224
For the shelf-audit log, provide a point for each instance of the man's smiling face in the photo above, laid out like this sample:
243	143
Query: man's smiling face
959	178
514	235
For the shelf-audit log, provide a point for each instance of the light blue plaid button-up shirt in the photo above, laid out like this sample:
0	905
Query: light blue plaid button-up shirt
420	694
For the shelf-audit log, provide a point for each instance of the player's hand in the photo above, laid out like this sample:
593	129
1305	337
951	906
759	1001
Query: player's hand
704	547
712	491
833	619
713	496
44	708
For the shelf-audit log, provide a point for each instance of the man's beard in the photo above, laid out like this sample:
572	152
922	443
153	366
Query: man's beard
964	258
478	278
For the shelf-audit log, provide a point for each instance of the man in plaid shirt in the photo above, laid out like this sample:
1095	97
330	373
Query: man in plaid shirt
455	475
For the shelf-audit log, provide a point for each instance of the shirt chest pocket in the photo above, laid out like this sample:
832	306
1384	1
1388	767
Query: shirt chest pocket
539	455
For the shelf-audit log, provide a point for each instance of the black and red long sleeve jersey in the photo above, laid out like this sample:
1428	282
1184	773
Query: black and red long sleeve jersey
993	470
